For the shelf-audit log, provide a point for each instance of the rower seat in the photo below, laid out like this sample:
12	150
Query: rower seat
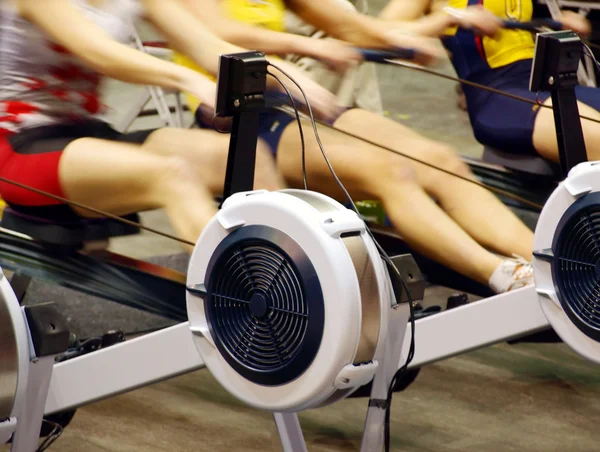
528	164
72	234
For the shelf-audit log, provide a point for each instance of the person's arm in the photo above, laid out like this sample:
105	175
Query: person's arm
270	42
339	22
362	30
187	34
412	15
575	22
67	26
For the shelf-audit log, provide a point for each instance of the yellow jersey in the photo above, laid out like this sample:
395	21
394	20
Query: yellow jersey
471	53
269	14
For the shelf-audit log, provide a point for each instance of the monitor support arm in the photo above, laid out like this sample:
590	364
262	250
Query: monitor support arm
557	57
241	86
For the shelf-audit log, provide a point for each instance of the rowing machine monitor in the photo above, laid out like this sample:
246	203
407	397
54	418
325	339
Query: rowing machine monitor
557	56
241	85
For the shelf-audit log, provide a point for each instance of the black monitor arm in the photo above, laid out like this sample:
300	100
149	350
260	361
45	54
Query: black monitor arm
557	57
241	86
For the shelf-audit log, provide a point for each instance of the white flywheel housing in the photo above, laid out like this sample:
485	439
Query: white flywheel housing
567	260
288	299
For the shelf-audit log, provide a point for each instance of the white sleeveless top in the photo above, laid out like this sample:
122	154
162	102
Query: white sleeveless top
41	83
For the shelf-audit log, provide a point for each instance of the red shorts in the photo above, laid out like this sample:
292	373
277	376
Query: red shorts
32	157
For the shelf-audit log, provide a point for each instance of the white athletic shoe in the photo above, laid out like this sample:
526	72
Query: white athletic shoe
512	274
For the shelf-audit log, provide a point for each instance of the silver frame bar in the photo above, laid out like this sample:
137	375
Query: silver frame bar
141	362
290	432
480	324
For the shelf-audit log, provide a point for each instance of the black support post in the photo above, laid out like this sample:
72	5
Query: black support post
557	57
241	87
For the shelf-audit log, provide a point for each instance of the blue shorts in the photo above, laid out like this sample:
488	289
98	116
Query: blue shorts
507	124
272	122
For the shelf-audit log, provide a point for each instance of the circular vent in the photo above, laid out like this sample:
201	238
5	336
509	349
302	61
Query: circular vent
576	264
264	305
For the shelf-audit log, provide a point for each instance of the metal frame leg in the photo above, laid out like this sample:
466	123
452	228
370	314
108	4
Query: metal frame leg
27	434
290	432
178	109
373	439
157	94
134	111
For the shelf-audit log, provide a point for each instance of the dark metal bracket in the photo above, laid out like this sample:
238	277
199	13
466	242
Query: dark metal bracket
557	57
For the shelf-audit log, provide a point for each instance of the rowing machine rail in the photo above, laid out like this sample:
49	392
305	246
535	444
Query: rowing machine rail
150	358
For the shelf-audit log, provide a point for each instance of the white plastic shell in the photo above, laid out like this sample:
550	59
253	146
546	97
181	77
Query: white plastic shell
316	223
583	179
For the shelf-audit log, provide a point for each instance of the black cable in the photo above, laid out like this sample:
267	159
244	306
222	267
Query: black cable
590	54
410	66
94	210
498	191
401	372
469	83
297	113
187	242
318	138
477	85
392	268
591	44
52	437
394	271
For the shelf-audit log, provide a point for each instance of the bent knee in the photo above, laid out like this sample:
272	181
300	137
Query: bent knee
394	171
435	157
445	158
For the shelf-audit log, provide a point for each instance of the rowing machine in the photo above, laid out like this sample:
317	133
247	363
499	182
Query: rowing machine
25	239
294	308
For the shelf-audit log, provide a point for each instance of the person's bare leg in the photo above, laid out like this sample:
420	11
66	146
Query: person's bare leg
207	150
479	212
544	132
370	173
121	178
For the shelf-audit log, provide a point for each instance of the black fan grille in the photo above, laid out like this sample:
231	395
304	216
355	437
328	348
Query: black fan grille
576	264
260	312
